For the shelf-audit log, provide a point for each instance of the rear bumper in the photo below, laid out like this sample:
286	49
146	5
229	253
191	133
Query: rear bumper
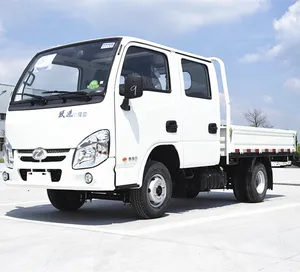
60	175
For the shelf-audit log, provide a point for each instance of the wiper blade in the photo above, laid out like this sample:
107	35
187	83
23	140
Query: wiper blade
59	92
37	97
70	93
97	92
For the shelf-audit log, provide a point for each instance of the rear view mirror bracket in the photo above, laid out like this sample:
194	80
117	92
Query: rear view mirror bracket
125	104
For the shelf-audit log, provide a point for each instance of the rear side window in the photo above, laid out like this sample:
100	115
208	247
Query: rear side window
196	79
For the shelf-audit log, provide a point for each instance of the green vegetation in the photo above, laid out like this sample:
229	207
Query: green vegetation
298	149
1	160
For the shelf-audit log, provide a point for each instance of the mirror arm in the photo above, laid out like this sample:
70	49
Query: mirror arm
125	104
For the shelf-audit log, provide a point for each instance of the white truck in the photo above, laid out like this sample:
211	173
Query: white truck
123	118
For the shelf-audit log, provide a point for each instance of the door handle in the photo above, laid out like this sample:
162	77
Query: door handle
212	128
171	126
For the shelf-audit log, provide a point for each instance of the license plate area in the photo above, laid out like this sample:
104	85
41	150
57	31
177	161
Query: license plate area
38	176
53	174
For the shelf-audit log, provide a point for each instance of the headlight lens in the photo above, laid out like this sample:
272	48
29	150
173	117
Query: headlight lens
8	154
92	151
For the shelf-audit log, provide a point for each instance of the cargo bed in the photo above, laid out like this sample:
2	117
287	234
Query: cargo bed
245	140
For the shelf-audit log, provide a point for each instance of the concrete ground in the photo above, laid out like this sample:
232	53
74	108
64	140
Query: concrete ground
210	233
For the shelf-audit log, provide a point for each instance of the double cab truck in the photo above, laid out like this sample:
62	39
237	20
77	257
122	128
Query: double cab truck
122	118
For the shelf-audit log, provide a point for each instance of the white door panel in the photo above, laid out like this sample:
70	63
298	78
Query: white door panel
144	125
201	113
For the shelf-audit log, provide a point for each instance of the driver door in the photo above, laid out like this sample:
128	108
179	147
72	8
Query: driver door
143	126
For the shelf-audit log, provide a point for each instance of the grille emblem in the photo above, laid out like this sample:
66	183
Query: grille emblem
39	154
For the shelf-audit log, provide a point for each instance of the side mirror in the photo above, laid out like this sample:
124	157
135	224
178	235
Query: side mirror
133	88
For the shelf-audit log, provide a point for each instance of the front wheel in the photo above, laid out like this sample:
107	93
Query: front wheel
66	200
153	198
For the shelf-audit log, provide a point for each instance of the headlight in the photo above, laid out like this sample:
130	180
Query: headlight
8	154
92	151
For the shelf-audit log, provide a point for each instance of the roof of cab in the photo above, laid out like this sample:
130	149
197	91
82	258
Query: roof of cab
127	39
143	41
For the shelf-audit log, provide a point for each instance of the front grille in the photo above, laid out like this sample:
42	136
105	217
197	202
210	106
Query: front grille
29	151
48	159
55	173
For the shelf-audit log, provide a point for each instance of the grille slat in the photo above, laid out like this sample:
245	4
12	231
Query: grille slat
48	159
50	151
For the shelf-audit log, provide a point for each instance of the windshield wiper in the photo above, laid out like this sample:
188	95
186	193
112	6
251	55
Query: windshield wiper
37	97
70	93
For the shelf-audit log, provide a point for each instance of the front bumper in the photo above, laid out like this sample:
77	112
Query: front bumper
56	173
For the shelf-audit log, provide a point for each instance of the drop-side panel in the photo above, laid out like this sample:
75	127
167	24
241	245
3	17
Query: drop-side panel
245	140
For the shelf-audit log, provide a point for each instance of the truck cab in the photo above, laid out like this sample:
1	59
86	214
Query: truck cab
117	118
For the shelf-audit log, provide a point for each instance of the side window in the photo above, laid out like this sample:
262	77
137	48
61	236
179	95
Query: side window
151	65
196	79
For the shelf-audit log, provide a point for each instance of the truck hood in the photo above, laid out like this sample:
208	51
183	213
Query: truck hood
58	127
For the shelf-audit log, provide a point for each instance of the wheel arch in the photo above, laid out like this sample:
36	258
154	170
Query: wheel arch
167	154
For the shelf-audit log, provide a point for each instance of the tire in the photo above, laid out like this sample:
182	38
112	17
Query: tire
66	200
257	183
192	193
239	184
144	201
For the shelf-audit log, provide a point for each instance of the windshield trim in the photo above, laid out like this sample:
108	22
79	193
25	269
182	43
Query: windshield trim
16	105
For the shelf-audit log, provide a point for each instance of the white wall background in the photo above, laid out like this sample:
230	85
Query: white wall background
4	99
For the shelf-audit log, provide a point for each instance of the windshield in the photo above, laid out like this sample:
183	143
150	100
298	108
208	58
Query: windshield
71	74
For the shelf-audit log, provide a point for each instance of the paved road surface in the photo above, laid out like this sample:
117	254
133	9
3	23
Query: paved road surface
210	233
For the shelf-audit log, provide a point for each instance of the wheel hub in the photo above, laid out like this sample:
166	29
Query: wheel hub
157	190
260	182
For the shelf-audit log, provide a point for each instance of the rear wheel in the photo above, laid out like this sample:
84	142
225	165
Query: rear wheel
153	198
66	200
257	183
239	183
250	185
